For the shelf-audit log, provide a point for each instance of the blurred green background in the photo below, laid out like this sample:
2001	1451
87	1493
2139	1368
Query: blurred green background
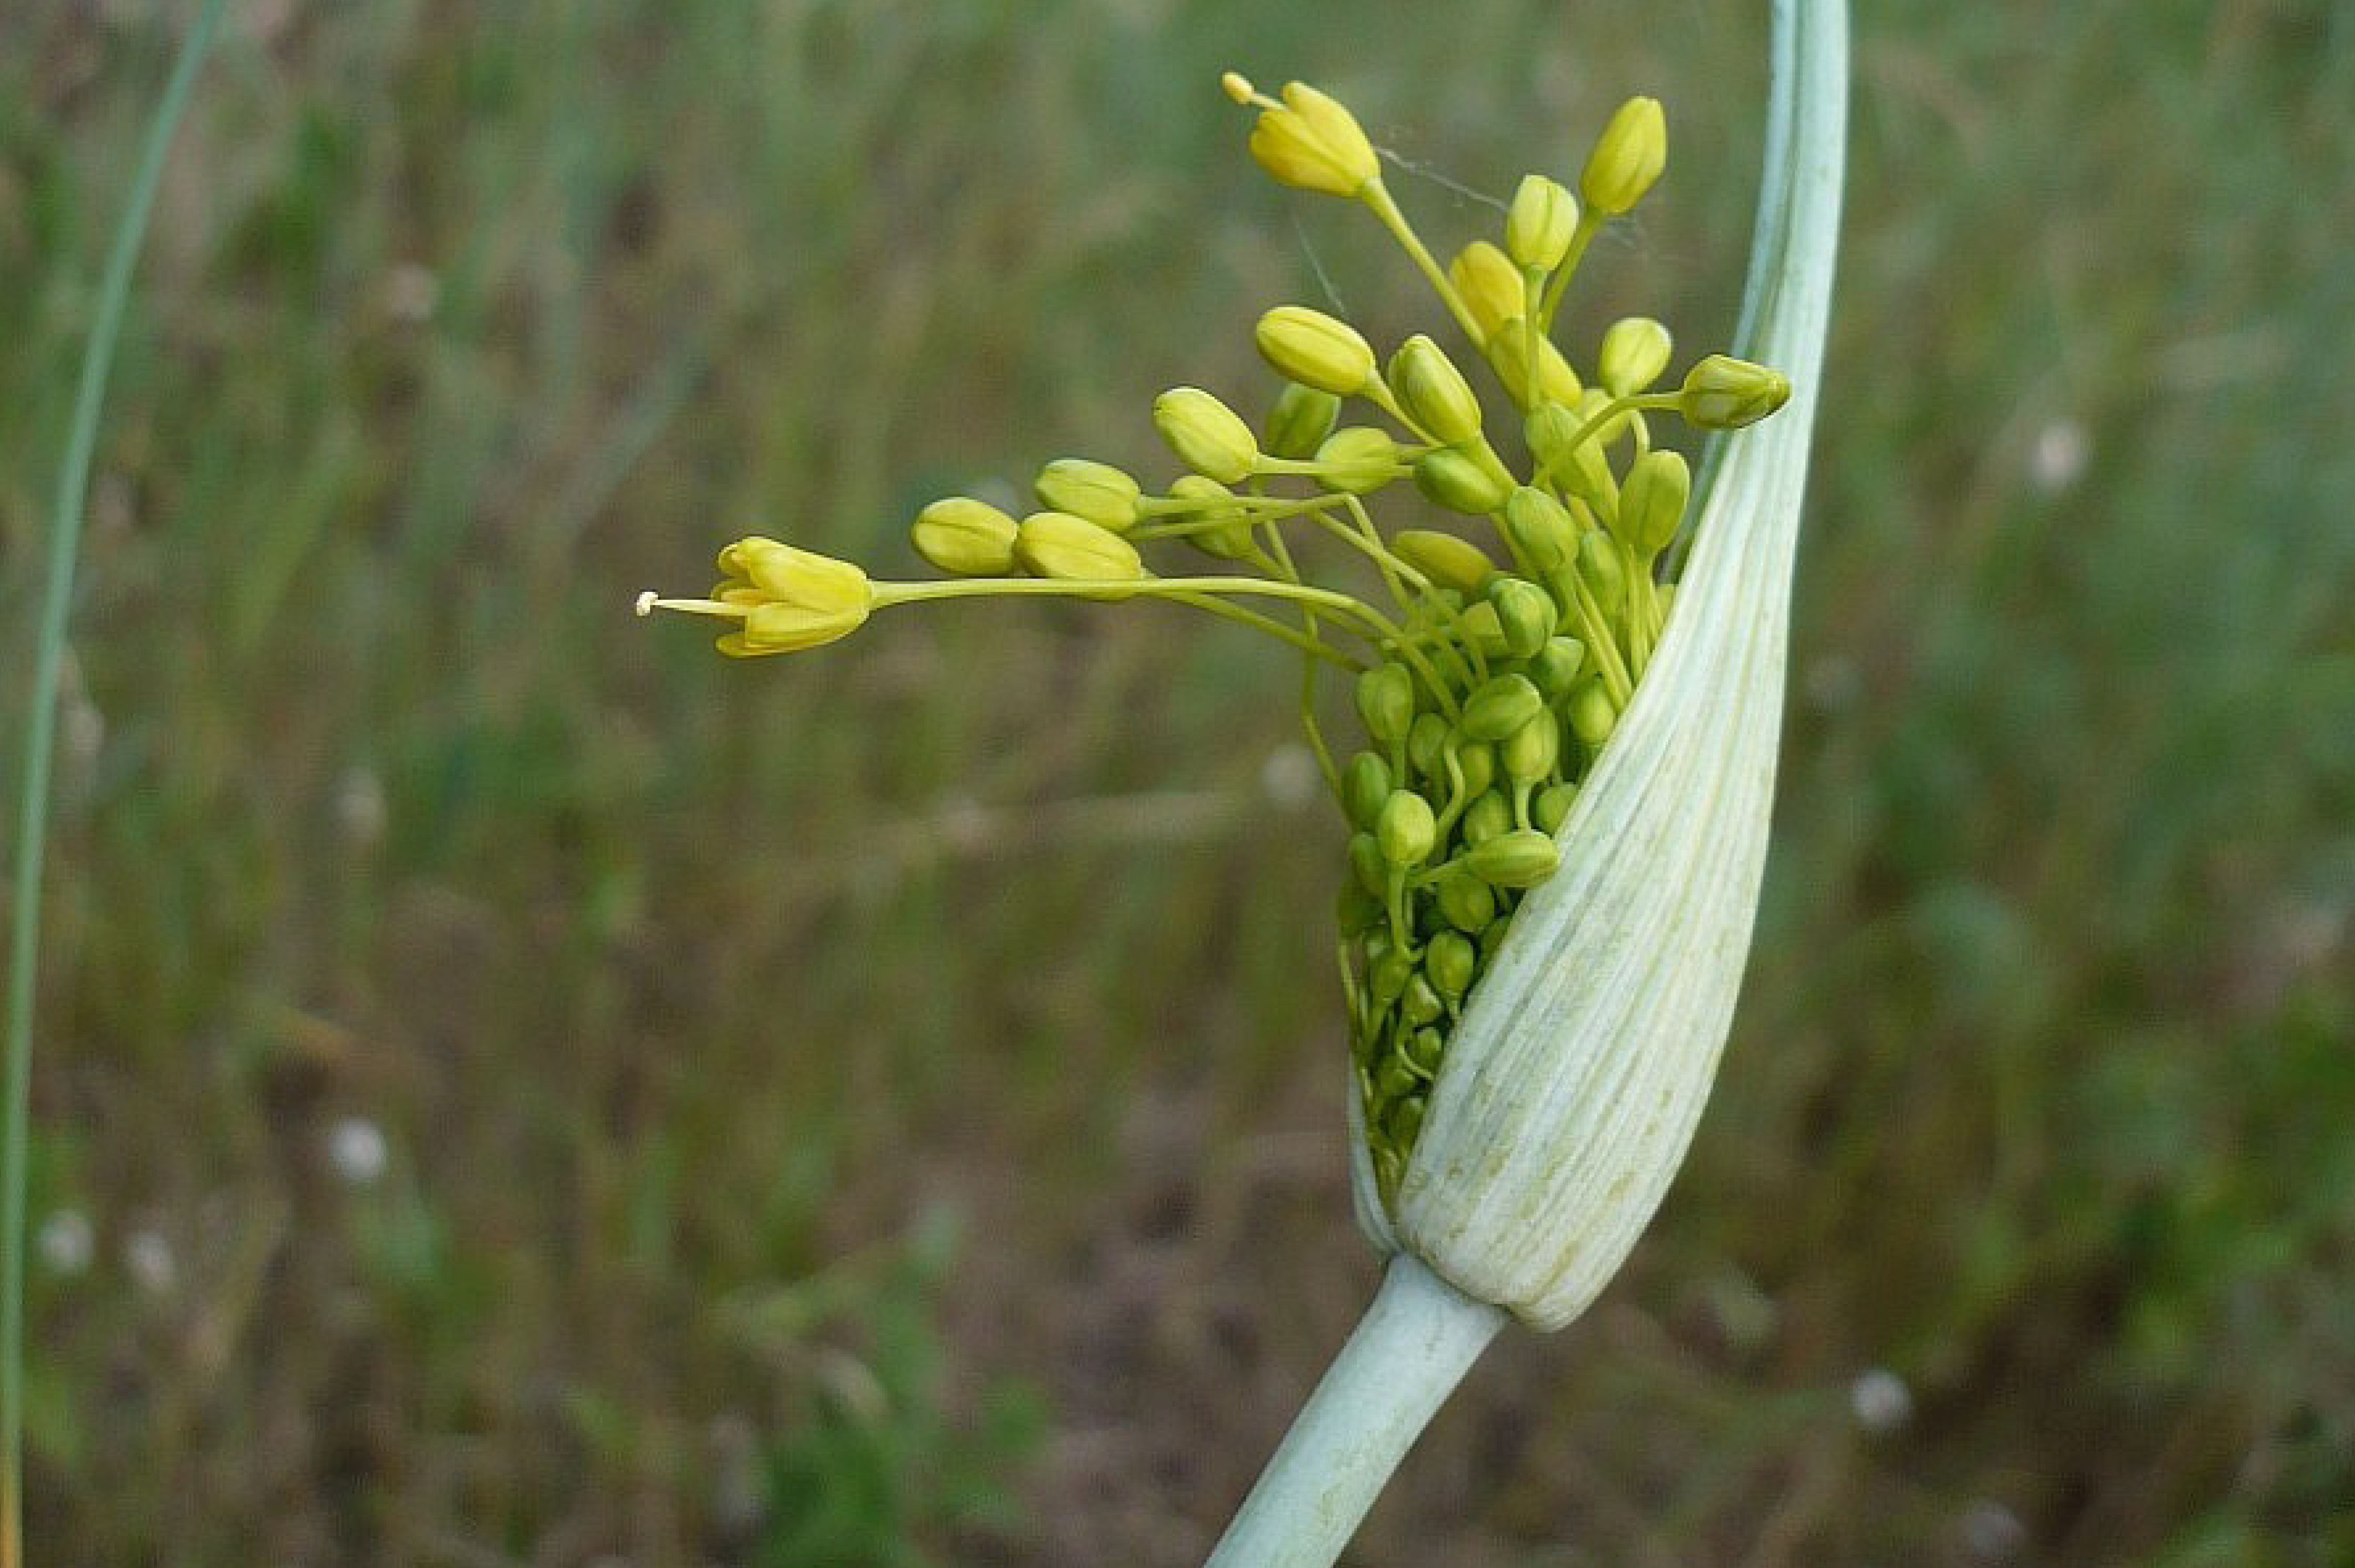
517	1088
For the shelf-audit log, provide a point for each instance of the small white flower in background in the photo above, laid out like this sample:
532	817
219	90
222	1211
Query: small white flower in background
411	293
1881	1402
359	807
149	1257
357	1149
1289	777
2057	460
1992	1532
67	1242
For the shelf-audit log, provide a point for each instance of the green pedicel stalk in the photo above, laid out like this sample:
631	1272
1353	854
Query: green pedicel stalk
1559	809
40	735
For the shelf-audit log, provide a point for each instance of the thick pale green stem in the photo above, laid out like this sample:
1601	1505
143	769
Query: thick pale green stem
1411	1349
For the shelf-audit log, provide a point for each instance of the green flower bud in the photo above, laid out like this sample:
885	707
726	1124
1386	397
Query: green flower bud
1520	858
1386	703
1525	615
1635	351
1551	808
1426	747
1540	223
1551	428
1434	392
1059	545
1366	862
1419	1002
1207	437
1598	564
1424	1047
1406	831
1465	901
1555	668
1652	501
1387	976
1452	963
1356	910
1480	629
1447	559
1542	532
1300	420
1232	539
1530	753
1316	350
968	538
1359	459
1507	349
1721	393
1459	482
1477	761
1486	818
1490	285
1593	716
1500	705
1404	1123
1627	157
1365	786
1084	488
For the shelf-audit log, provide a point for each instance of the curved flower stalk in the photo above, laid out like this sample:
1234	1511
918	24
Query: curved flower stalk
1559	807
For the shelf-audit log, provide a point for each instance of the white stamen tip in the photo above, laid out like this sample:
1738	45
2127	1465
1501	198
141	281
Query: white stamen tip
646	602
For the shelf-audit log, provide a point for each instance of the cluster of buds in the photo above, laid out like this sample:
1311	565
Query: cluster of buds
1493	649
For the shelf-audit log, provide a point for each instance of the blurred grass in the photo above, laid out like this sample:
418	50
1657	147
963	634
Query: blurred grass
698	1004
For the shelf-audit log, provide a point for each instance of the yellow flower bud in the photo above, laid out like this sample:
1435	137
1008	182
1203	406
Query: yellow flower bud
1635	351
1491	286
1539	529
1434	391
1231	540
1540	223
1085	487
1627	157
1316	350
1580	469
1359	459
1298	422
1459	482
1310	141
1059	545
1507	349
1722	393
1207	437
1406	829
971	538
1446	559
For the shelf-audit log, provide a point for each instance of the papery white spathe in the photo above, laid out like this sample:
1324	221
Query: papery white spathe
1572	1085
